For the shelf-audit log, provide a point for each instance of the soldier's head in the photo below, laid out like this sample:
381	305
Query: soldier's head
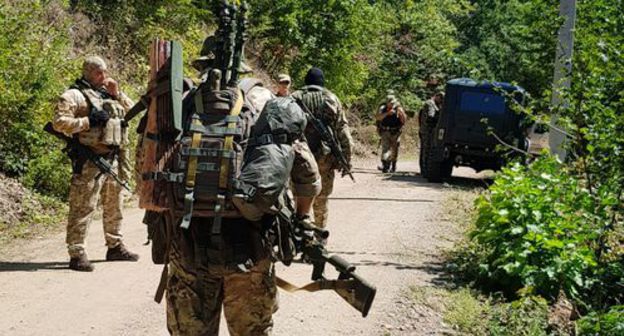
94	70
315	76
283	85
391	101
438	98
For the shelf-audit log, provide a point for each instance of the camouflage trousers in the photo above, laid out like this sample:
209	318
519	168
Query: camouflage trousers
84	192
326	169
390	142
305	178
196	294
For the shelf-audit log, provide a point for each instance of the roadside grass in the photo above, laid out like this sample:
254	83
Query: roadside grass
466	310
39	215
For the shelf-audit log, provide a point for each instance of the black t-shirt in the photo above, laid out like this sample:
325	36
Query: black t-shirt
391	121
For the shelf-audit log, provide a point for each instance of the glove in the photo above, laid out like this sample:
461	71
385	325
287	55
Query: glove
98	118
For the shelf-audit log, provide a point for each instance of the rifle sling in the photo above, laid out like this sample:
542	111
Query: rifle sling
315	286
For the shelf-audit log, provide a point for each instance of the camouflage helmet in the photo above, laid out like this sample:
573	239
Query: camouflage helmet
207	56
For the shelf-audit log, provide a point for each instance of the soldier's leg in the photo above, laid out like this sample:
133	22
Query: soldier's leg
386	146
83	196
112	203
394	151
327	186
250	299
190	310
306	181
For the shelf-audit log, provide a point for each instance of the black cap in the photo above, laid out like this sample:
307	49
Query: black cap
315	77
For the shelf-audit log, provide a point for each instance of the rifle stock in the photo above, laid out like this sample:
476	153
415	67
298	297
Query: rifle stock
358	292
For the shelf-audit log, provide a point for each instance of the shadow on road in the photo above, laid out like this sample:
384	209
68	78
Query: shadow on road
455	181
37	266
376	199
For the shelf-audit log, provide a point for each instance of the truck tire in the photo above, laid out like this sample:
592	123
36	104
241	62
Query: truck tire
437	171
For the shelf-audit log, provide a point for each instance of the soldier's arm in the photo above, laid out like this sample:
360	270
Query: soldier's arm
402	115
125	101
66	119
431	110
381	114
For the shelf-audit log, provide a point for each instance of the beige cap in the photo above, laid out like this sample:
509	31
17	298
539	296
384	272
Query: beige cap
283	78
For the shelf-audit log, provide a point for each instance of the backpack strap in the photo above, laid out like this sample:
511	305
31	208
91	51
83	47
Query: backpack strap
224	171
191	171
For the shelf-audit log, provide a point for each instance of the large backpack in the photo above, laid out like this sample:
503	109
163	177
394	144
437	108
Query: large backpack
209	155
269	158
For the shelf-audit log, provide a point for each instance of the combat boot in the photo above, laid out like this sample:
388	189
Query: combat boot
386	166
81	264
393	166
120	253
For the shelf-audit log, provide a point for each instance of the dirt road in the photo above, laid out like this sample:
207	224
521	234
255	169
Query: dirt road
389	226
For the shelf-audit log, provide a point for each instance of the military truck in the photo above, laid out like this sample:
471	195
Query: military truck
473	115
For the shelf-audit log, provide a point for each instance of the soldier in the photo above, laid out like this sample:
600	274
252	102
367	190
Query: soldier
390	120
427	119
314	97
283	85
91	111
234	270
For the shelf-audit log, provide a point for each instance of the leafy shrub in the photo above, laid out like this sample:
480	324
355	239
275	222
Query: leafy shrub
530	224
49	174
610	323
527	316
32	59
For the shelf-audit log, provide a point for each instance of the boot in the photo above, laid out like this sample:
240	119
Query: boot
386	166
393	166
120	253
81	264
380	168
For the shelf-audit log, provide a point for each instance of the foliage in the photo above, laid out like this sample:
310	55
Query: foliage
472	314
527	316
32	66
510	40
529	224
604	324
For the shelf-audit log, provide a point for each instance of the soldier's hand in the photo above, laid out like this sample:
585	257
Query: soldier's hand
98	118
111	87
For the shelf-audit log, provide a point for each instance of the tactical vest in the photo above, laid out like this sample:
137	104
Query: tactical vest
391	122
112	134
316	100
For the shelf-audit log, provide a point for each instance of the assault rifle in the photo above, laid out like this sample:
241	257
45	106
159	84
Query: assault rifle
80	153
350	286
328	137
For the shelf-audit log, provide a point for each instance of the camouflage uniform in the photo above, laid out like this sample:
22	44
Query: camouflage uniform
332	113
389	129
71	118
427	118
236	273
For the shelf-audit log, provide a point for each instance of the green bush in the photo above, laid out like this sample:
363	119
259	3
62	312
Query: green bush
49	174
527	316
33	50
610	323
532	225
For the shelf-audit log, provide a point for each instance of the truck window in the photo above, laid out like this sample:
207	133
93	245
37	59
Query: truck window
482	103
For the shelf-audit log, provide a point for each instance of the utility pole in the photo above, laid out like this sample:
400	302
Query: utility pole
562	76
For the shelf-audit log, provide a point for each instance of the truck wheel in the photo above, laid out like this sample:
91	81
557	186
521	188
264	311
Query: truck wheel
437	171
